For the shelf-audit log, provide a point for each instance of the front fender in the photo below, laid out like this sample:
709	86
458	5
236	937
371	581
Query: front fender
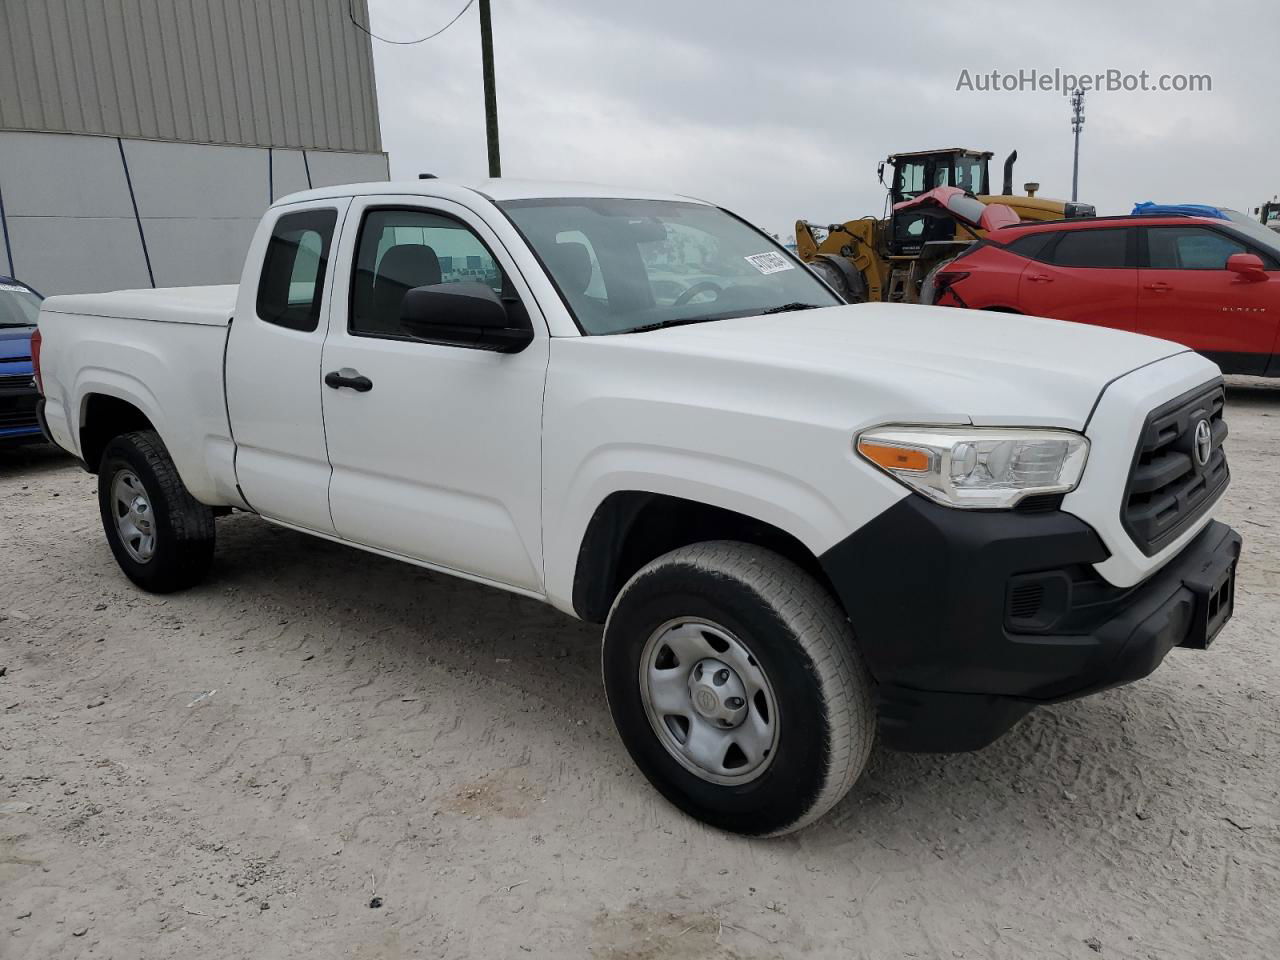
782	500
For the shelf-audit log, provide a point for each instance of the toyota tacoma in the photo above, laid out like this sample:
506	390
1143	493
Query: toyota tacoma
803	524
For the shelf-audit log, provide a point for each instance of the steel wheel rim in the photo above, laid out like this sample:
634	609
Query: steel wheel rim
133	516
716	741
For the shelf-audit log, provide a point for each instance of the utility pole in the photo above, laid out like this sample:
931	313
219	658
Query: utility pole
490	93
1077	121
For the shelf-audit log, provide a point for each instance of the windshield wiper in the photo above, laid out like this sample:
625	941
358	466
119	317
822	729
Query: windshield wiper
683	321
677	322
788	307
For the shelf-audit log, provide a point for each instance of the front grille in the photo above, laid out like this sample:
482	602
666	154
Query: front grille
15	381
1169	488
1025	600
1039	503
18	418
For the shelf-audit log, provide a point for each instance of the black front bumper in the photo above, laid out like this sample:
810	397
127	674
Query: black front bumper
968	619
19	413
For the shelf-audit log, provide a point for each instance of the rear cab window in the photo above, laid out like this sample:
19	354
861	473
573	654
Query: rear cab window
291	285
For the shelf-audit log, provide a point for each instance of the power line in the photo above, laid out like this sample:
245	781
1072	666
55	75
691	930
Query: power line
351	13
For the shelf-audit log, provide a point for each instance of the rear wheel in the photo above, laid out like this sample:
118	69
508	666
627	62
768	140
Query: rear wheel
735	685
161	536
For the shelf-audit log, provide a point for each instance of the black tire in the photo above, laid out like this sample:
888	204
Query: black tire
183	527
805	647
839	274
929	285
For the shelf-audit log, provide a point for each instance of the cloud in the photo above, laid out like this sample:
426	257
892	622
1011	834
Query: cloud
782	111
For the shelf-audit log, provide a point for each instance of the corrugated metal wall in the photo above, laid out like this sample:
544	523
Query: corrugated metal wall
278	73
85	213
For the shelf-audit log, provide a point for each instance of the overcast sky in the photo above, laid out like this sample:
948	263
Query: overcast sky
782	110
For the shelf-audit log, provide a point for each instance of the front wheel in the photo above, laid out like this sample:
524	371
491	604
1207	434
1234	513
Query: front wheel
736	687
161	536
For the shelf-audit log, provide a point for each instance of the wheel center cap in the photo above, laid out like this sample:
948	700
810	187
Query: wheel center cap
717	693
706	701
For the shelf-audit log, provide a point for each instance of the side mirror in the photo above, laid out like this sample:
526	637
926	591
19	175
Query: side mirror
461	315
1248	265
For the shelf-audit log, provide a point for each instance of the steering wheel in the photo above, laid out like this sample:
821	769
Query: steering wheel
704	286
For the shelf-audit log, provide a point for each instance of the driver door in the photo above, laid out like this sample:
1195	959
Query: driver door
436	452
1187	294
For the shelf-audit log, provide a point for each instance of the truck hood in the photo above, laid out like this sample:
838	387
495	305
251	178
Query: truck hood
923	364
15	343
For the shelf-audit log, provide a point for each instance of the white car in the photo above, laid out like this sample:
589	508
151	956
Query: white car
800	522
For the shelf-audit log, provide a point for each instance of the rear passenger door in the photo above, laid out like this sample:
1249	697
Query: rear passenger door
439	458
1087	275
1187	294
273	364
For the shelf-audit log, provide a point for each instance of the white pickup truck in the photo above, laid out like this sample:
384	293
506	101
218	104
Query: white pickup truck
801	522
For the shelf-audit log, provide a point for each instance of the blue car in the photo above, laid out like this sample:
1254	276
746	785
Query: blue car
19	307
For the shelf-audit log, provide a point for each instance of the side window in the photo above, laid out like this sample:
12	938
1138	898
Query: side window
1032	245
292	281
911	178
402	249
1189	248
1092	248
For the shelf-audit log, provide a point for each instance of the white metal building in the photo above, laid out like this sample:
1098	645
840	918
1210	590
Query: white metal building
140	140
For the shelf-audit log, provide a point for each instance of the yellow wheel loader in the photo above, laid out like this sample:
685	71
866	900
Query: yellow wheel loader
889	258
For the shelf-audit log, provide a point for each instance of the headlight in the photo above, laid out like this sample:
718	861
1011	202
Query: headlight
977	467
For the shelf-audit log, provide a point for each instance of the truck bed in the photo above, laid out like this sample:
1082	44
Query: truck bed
208	306
159	351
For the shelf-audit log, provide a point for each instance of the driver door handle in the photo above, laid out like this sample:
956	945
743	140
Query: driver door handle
346	377
1159	286
1040	278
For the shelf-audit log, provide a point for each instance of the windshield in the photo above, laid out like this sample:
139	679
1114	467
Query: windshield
19	306
969	174
621	265
1257	233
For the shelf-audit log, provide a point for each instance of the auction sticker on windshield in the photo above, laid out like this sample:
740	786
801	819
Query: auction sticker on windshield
768	263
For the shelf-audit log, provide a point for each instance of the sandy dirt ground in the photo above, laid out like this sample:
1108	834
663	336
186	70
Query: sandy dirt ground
239	771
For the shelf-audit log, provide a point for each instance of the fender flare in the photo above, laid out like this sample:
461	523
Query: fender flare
99	381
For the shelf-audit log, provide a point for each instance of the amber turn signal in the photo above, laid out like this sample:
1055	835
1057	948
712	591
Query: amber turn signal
892	457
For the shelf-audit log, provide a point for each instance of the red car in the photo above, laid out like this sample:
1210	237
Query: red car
1212	283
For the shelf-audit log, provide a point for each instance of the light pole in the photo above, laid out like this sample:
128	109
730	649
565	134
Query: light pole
1077	121
490	92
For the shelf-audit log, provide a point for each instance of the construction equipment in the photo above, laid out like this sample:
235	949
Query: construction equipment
1269	213
888	258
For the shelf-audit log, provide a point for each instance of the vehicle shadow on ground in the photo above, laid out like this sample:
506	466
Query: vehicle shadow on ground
36	459
1257	393
1030	781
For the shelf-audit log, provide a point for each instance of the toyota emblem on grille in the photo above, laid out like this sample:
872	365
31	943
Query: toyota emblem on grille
1203	442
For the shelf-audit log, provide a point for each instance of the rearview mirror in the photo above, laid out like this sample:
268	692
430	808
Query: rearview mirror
461	315
1248	265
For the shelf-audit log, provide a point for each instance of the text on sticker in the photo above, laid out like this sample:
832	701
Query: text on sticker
768	263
